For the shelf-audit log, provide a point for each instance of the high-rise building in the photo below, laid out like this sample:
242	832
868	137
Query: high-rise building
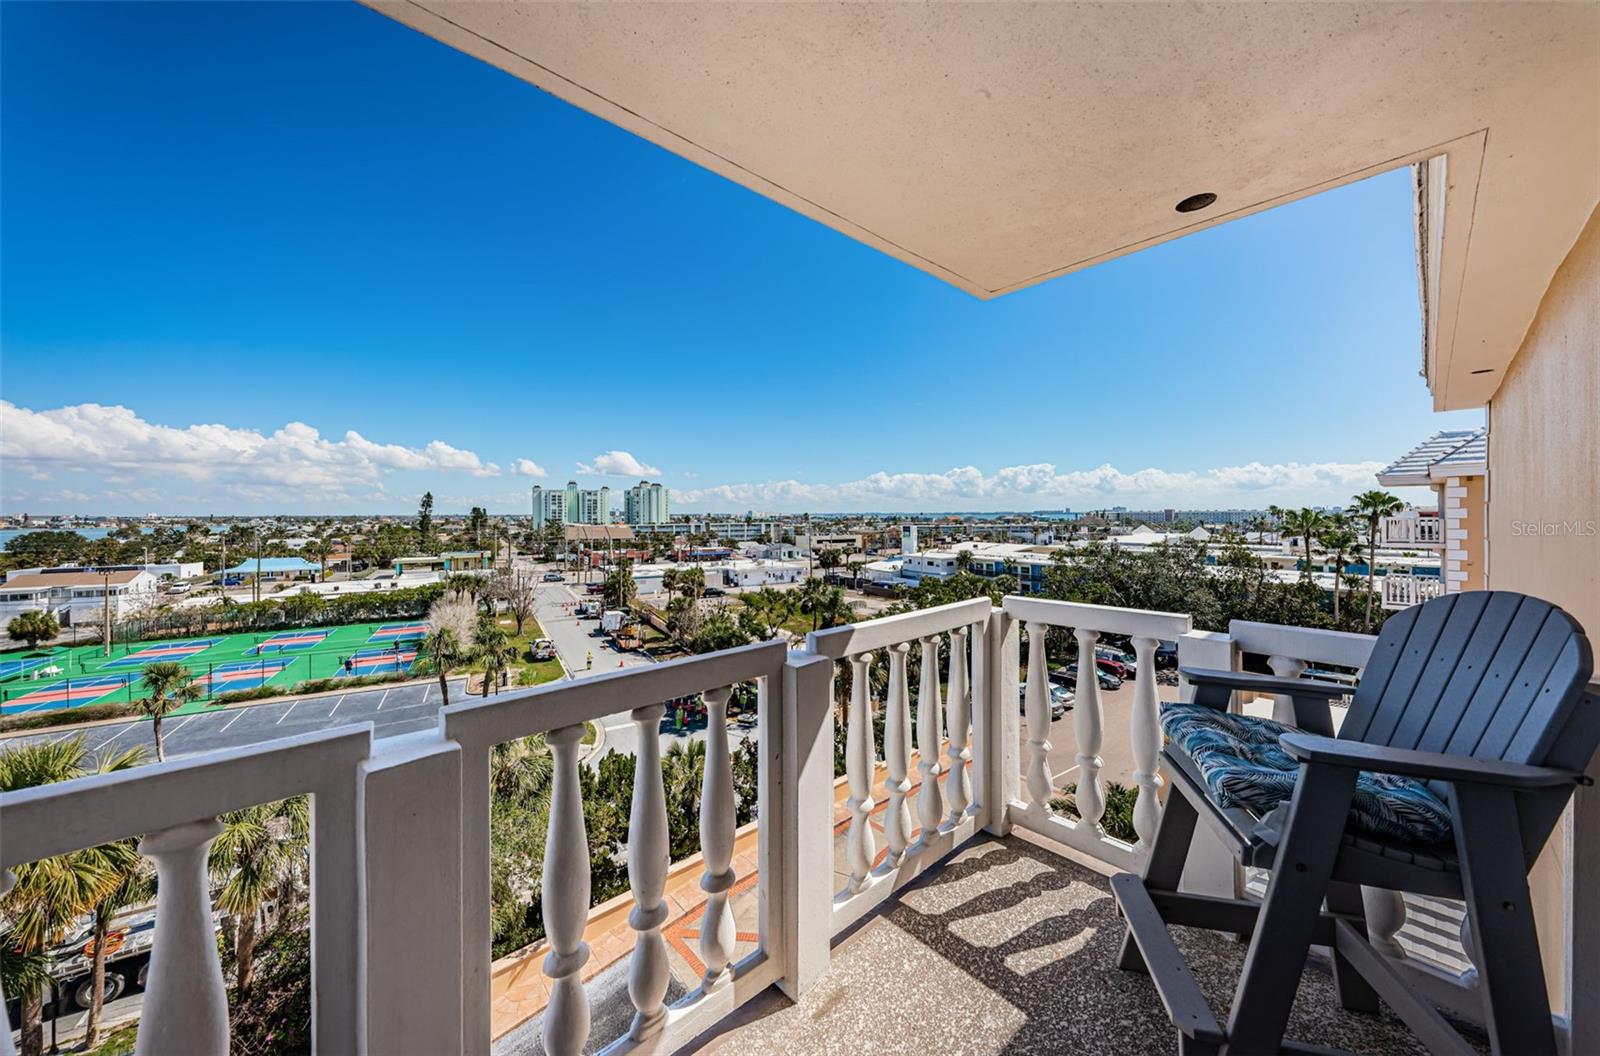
646	503
571	505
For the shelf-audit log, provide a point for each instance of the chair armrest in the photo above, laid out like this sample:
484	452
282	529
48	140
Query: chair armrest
1425	766
1251	682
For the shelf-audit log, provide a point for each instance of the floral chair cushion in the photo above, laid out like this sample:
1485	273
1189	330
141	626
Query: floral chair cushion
1239	758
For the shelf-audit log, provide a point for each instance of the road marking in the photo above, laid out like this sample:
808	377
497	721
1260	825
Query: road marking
182	724
114	736
425	691
286	714
233	720
335	706
382	699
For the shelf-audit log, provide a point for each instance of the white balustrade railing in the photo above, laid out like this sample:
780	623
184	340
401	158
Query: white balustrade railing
559	711
1411	531
173	807
1032	809
963	716
1401	591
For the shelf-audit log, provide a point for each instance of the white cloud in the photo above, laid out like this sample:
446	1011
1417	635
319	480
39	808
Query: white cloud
527	467
294	462
617	464
1041	485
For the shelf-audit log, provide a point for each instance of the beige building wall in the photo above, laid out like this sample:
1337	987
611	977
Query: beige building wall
1461	502
1544	493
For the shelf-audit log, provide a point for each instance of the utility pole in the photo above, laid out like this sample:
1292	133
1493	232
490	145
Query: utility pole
256	586
105	576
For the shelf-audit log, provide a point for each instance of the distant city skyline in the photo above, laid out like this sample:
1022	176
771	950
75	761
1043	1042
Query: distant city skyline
298	258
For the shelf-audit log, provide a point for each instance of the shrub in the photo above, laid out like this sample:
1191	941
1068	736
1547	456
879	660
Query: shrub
1118	818
323	685
63	717
235	696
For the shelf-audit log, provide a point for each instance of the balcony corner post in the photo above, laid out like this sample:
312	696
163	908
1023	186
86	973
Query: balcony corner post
804	895
1210	868
1003	775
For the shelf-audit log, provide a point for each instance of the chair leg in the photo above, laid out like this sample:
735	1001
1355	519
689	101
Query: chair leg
1495	882
1288	919
1164	868
1355	993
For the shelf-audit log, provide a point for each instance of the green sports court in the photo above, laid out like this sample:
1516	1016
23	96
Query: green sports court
82	675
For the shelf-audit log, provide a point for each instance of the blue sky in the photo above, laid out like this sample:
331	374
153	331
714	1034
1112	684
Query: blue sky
298	258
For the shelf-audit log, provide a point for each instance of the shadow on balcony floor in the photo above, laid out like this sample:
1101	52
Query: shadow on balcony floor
1009	949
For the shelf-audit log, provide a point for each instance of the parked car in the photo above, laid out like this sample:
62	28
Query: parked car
179	588
1107	679
554	577
1117	656
714	592
1060	699
544	649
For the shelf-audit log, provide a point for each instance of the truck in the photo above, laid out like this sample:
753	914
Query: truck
128	944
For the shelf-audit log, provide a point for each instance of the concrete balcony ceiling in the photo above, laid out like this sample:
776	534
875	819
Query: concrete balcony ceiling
997	146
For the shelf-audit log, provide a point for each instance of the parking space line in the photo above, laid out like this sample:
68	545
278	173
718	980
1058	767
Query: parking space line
336	706
382	699
126	727
286	714
425	691
233	720
182	724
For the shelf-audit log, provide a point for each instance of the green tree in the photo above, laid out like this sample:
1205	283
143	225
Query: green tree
1308	524
620	588
33	627
765	611
494	649
443	650
258	856
49	895
830	557
135	887
1370	508
718	631
319	550
963	560
825	605
425	522
170	685
1337	540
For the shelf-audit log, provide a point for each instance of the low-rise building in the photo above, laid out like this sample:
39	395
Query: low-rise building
77	596
451	561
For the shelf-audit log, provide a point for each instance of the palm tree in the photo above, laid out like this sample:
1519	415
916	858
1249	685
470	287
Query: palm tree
443	648
1307	524
963	560
766	609
256	857
494	649
137	887
827	607
620	589
1337	539
51	894
855	568
811	596
521	770
1372	507
171	685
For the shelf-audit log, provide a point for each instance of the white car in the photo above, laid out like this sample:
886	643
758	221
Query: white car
1060	699
179	588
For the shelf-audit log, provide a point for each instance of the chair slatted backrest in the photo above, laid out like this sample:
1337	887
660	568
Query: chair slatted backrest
1490	673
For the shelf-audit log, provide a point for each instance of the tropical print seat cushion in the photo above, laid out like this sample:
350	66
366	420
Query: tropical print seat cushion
1243	766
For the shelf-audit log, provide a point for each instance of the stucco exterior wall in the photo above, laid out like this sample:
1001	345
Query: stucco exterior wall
1544	492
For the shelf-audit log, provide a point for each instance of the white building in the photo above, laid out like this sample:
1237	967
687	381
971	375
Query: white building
646	503
745	573
77	596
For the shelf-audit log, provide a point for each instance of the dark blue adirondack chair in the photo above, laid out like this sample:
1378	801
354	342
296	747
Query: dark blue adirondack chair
1469	731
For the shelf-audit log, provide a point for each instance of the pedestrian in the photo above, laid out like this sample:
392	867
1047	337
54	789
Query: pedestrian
588	661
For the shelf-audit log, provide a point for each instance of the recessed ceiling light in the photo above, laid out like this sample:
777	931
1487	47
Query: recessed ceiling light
1196	202
1485	370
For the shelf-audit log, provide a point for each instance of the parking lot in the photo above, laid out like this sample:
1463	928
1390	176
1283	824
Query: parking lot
392	710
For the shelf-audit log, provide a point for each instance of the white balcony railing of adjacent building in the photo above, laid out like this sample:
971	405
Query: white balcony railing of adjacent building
1402	590
1411	529
400	931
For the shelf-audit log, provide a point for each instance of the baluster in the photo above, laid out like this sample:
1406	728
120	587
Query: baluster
858	768
1145	737
1386	915
1041	784
958	785
930	804
897	754
649	855
716	841
566	900
1282	704
1087	726
185	1006
7	878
